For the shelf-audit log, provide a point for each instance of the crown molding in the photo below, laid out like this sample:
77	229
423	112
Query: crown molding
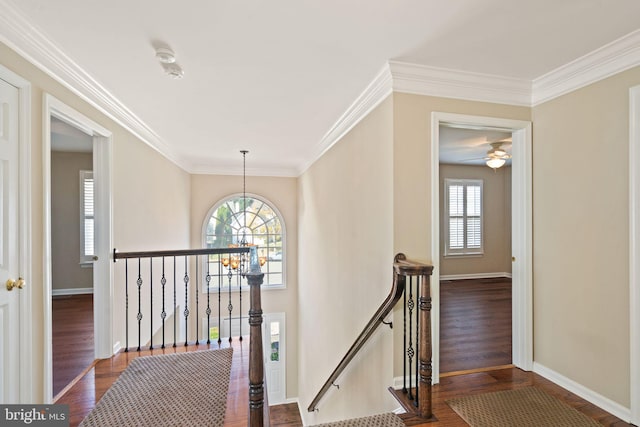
610	59
17	32
280	172
446	83
376	92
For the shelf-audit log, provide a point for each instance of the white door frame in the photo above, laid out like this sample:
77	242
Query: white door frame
634	251
24	232
102	268
521	235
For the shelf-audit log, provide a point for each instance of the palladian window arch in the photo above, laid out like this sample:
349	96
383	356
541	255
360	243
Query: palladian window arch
230	223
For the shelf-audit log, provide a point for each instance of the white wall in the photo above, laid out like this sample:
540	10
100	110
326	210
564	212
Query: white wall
345	210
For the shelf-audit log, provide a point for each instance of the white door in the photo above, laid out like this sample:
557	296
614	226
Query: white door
273	337
9	273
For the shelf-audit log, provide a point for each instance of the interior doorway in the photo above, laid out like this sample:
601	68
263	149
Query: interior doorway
77	238
521	226
475	257
72	249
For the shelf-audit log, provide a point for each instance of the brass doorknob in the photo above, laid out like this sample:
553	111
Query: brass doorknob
95	257
15	284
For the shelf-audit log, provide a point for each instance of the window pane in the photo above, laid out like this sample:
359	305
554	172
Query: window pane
473	200
88	196
456	200
456	233
258	224
88	237
474	233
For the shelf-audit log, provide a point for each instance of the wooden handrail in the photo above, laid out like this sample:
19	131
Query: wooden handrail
397	289
180	252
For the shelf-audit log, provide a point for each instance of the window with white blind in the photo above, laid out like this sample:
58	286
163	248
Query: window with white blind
463	217
87	219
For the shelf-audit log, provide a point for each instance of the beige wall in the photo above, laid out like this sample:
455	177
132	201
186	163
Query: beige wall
151	196
346	242
496	221
66	271
282	194
581	235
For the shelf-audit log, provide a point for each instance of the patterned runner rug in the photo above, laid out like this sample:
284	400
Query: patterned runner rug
525	407
183	389
381	420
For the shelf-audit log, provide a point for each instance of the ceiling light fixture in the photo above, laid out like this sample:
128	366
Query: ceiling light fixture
495	163
174	71
167	60
165	55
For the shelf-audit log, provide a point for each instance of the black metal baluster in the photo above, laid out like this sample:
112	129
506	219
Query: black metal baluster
163	315
230	306
139	317
417	341
242	266
410	351
151	303
208	302
186	302
175	304
219	302
197	309
404	341
126	304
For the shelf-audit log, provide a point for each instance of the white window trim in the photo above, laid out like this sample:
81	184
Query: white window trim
203	233
464	252
85	260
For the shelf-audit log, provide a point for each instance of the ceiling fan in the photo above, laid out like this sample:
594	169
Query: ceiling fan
497	156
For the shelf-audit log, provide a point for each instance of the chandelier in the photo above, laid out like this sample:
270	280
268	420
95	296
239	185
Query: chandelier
235	262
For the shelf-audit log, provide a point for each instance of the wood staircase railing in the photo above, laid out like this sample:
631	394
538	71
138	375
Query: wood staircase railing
403	269
417	401
183	286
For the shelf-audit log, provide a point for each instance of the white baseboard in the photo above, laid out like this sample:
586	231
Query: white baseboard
71	291
116	348
582	391
475	276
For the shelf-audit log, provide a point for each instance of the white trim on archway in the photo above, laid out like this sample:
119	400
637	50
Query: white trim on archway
522	275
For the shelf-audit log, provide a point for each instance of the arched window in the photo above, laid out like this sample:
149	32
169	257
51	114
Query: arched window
229	222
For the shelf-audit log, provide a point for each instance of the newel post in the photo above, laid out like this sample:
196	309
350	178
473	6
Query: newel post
256	359
424	356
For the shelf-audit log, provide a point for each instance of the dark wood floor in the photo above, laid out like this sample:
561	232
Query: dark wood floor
72	332
503	379
475	324
84	394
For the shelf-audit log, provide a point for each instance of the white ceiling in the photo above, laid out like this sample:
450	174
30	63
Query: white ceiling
274	77
469	146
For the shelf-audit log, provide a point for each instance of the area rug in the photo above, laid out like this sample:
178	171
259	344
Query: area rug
381	420
524	407
183	389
